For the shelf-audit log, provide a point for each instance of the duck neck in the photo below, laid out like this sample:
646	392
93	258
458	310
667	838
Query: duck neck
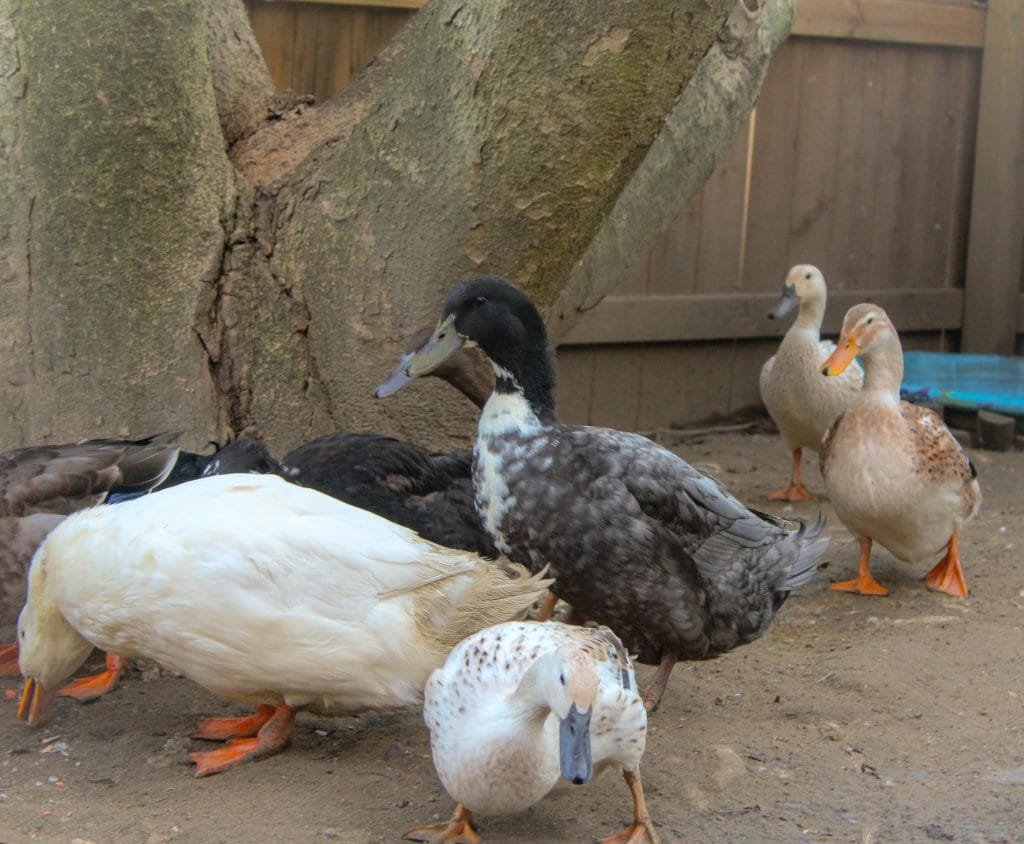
811	313
529	379
883	367
471	376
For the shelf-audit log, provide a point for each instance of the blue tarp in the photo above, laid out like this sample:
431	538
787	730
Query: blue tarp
972	382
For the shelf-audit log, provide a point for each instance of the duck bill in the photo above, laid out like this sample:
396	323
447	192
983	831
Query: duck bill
396	380
574	746
786	303
841	358
443	343
36	704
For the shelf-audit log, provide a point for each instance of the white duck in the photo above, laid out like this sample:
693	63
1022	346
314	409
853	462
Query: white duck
893	470
525	709
263	592
802	403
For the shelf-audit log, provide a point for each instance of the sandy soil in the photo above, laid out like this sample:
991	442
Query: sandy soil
853	719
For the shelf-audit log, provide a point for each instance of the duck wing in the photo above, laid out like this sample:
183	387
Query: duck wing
642	542
63	478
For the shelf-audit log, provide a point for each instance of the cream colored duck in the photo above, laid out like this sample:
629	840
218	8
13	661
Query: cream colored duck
802	403
525	709
263	592
894	472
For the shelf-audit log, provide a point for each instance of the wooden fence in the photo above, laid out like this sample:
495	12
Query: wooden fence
886	148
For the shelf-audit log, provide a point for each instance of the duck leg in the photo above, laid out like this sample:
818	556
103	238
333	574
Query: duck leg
271	738
948	576
864	582
547	606
458	830
9	660
89	688
796	491
656	688
641	831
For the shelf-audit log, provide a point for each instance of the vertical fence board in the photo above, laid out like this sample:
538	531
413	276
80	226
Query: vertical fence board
273	24
996	247
675	377
817	137
773	167
721	224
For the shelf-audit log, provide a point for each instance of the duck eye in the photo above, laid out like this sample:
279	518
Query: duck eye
871	319
481	300
561	679
807	276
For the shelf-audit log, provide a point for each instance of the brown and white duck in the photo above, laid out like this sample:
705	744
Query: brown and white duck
894	472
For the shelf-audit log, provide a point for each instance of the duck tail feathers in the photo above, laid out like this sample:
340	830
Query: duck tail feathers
483	595
811	547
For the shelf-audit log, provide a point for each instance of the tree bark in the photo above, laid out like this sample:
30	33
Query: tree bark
705	121
183	249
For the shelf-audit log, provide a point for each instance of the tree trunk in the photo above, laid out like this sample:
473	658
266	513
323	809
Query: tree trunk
183	249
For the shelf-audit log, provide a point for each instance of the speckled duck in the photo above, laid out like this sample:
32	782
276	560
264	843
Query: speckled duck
636	538
522	710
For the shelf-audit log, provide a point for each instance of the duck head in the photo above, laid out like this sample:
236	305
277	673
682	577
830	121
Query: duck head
49	649
867	331
496	316
464	370
565	684
804	284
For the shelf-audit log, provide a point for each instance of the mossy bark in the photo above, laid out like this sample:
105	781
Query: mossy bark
128	190
181	250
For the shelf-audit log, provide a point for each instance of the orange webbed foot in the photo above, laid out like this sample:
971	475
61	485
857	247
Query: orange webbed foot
641	831
9	660
948	576
865	586
273	737
635	833
793	492
458	830
864	582
222	729
95	686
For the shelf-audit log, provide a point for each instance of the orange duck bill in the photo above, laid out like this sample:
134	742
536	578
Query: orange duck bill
842	357
36	703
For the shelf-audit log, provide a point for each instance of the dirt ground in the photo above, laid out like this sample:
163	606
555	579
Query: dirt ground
853	719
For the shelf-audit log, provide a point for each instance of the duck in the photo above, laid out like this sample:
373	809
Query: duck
894	472
263	592
801	403
636	538
240	455
430	492
526	709
39	486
